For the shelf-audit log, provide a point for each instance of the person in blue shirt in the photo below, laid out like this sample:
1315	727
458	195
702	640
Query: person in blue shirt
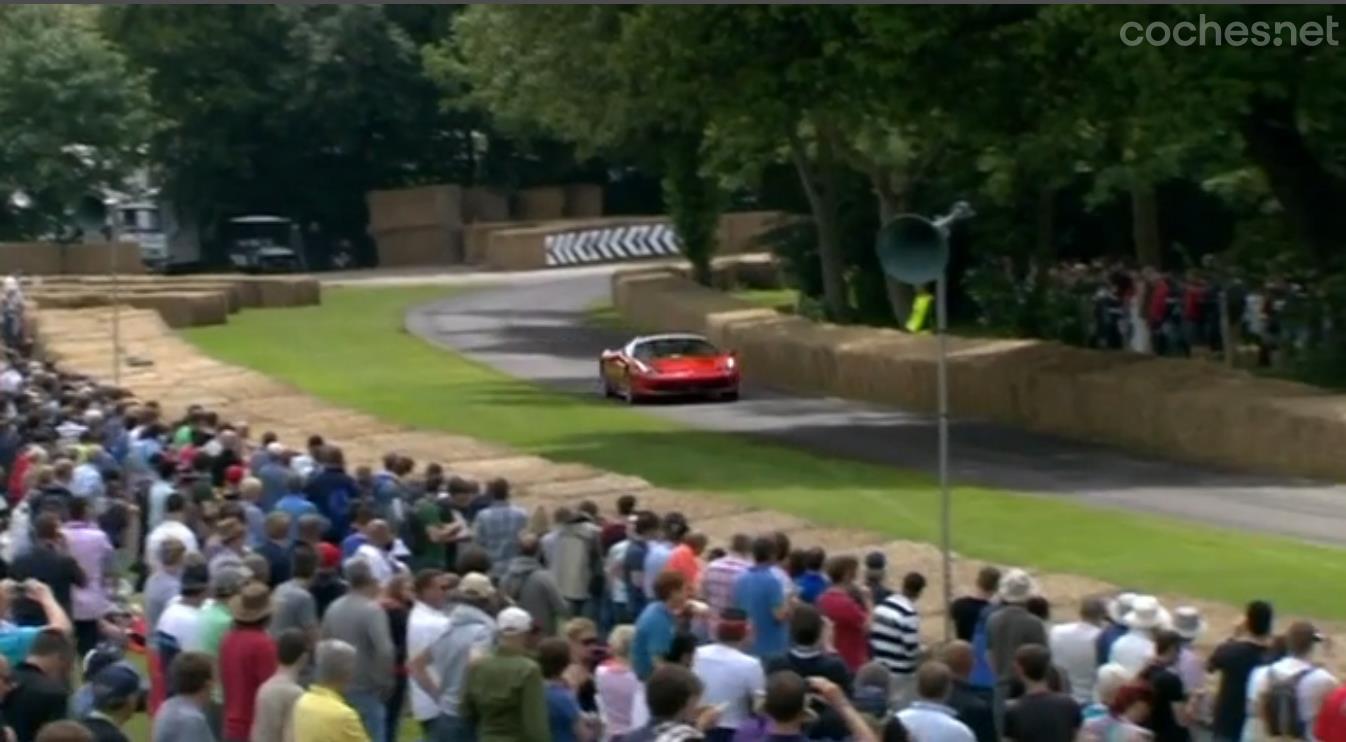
645	529
564	718
295	504
334	492
812	582
658	623
759	594
274	475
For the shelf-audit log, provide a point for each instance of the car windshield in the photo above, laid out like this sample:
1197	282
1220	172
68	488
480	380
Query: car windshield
675	348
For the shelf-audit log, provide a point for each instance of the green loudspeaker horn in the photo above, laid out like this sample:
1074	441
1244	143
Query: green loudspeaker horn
915	250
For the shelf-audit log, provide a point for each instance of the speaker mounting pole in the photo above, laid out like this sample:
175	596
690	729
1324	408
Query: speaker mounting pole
915	250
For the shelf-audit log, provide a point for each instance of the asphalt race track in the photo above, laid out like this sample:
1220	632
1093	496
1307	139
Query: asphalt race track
533	326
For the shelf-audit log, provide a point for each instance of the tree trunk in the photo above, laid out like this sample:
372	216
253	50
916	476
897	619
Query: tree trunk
694	204
1145	223
820	189
1314	199
1046	224
891	203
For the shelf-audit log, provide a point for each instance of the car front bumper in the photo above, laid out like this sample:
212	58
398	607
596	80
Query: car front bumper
672	386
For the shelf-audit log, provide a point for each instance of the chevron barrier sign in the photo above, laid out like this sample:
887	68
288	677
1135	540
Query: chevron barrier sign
611	244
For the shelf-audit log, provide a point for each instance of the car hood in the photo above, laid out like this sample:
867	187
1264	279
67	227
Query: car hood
687	364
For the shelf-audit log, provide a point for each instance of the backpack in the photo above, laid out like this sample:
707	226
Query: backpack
1280	706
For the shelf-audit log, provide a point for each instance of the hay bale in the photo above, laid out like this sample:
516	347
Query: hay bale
277	293
482	204
516	250
540	203
583	200
185	308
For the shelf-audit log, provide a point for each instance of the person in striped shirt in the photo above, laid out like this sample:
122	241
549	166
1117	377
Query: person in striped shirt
895	634
718	578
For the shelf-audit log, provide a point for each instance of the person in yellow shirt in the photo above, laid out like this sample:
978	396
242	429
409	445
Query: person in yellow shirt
322	714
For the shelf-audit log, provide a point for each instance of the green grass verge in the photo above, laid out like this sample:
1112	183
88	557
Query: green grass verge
779	299
353	352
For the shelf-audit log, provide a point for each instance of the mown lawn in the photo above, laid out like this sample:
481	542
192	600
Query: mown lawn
353	352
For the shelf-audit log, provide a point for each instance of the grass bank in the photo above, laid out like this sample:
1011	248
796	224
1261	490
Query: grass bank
352	352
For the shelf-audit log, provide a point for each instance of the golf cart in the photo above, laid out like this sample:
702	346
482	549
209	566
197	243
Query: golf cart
264	244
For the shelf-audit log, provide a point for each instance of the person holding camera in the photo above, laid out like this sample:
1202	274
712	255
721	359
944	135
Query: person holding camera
15	641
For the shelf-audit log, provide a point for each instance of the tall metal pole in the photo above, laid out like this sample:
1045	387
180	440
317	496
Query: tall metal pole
945	502
116	296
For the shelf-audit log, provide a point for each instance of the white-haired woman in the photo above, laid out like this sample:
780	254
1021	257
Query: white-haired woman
616	684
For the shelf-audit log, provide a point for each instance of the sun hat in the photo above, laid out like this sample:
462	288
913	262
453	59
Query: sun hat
1187	621
1017	586
252	604
476	585
513	621
1119	606
1146	613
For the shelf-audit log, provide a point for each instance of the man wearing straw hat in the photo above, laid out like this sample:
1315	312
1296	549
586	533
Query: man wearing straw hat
247	659
1009	627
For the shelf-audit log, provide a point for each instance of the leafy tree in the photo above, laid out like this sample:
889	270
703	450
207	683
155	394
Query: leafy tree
577	73
297	110
72	115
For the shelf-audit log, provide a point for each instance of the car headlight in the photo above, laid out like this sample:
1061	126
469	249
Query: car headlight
731	363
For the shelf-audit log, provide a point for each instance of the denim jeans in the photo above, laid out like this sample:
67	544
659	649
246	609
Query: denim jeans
373	714
453	729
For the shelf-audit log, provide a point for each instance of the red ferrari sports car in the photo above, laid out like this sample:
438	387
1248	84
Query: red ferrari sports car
669	366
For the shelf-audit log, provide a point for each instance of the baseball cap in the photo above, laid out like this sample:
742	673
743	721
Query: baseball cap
100	658
115	684
513	621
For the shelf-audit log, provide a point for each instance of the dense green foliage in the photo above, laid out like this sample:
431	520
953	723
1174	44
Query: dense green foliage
1071	142
71	114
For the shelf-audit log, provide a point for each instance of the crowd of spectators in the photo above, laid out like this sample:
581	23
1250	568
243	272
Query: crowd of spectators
1110	305
276	596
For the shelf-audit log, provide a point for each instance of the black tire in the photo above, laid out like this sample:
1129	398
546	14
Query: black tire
729	397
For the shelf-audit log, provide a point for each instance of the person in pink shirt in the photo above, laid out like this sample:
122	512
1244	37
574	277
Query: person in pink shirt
848	608
616	685
93	551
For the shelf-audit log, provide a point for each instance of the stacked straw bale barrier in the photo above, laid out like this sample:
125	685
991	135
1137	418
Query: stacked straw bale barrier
1189	410
182	301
